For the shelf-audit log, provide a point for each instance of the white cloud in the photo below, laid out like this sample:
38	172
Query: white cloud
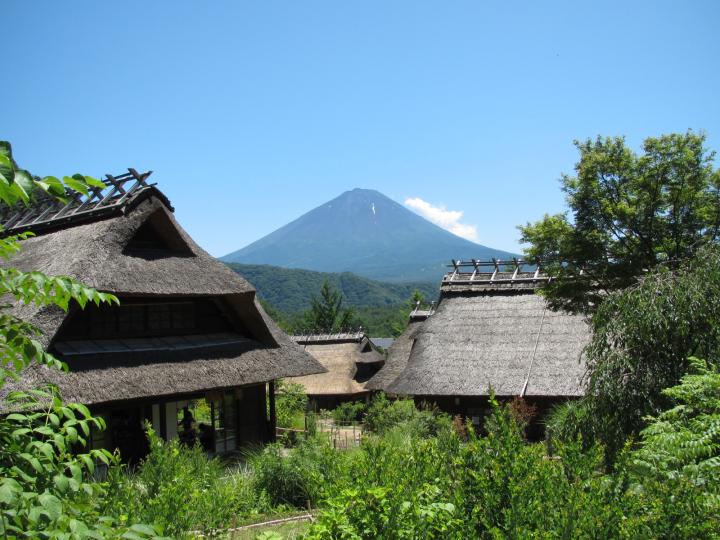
442	217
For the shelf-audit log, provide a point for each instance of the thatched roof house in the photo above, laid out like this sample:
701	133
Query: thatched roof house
490	329
351	360
187	328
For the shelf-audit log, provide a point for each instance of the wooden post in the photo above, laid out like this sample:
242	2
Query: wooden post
273	417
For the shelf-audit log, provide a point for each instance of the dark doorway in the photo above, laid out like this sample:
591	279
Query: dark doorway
127	434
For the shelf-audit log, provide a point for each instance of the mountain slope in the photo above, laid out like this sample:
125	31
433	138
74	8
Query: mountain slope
364	232
290	290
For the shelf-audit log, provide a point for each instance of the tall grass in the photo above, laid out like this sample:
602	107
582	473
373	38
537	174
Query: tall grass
182	489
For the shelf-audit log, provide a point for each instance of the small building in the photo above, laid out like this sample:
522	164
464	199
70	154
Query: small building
188	333
490	329
350	359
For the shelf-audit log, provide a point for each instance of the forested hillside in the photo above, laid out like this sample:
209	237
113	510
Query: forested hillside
290	290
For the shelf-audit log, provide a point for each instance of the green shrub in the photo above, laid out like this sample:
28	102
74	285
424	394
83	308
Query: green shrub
290	404
348	412
383	415
565	422
181	489
297	477
377	513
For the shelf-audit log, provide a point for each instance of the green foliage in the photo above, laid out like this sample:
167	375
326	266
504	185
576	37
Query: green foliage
384	416
286	322
298	477
291	403
565	421
46	489
629	213
509	484
385	321
407	482
677	467
685	440
382	321
641	340
44	486
326	313
18	186
496	486
375	513
180	489
348	411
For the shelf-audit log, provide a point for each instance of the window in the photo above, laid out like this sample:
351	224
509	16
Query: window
224	419
135	318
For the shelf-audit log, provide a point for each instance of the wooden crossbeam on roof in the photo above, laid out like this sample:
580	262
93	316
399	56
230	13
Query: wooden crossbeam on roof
330	337
494	271
422	314
45	211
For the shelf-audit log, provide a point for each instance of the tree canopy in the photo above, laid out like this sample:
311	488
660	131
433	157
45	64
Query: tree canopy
642	340
327	313
629	213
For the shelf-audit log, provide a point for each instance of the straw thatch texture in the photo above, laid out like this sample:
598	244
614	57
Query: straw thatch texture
341	360
397	358
500	339
143	375
95	254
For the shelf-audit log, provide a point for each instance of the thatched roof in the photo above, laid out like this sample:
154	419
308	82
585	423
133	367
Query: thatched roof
143	375
397	358
490	329
341	358
104	254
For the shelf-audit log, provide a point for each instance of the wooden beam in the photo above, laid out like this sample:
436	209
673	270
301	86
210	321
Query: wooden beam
273	414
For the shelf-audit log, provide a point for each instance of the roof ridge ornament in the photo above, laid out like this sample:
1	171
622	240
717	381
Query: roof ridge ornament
494	271
340	336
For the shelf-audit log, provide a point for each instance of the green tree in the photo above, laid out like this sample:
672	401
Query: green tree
46	489
326	313
630	213
642	339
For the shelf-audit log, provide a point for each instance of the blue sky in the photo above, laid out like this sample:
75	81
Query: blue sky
252	113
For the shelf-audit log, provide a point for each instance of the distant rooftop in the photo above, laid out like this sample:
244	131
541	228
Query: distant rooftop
46	212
